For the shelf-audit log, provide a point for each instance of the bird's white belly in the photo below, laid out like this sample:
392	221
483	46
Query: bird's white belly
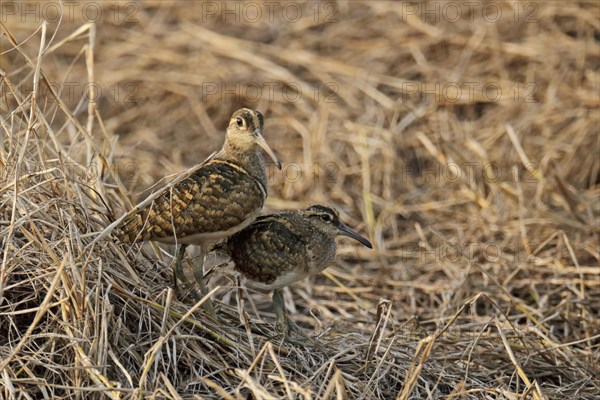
210	237
281	281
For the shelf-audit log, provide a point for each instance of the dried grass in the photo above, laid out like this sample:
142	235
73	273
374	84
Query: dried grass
478	288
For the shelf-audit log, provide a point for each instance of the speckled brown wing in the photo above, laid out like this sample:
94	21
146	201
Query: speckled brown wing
268	248
217	198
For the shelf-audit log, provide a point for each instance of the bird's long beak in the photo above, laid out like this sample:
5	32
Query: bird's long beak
346	231
263	143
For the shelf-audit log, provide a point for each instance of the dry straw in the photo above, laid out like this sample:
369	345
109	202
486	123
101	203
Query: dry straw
481	286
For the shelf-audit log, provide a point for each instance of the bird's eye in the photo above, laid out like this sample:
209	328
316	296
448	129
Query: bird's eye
240	122
326	218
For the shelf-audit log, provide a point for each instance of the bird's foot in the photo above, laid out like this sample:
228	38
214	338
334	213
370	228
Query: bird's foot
185	290
292	333
208	306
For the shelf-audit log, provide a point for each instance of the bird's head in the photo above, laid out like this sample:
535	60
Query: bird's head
245	132
327	220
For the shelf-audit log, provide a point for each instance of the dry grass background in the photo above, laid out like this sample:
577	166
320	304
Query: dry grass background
478	287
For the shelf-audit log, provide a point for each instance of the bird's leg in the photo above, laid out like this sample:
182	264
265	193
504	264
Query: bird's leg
178	270
283	322
199	276
279	305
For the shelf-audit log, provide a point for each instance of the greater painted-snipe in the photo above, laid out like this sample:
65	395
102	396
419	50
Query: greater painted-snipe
219	198
279	249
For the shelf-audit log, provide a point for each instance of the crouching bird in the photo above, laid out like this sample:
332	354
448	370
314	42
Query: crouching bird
279	249
220	197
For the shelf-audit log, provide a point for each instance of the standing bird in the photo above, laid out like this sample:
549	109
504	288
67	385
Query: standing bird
279	249
222	196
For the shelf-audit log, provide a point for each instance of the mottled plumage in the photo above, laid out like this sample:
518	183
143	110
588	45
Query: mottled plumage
219	198
279	249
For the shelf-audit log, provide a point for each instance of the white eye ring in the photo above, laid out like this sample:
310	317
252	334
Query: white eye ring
326	218
240	122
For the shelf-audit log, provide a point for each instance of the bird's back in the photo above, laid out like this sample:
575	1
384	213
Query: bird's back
217	200
276	250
